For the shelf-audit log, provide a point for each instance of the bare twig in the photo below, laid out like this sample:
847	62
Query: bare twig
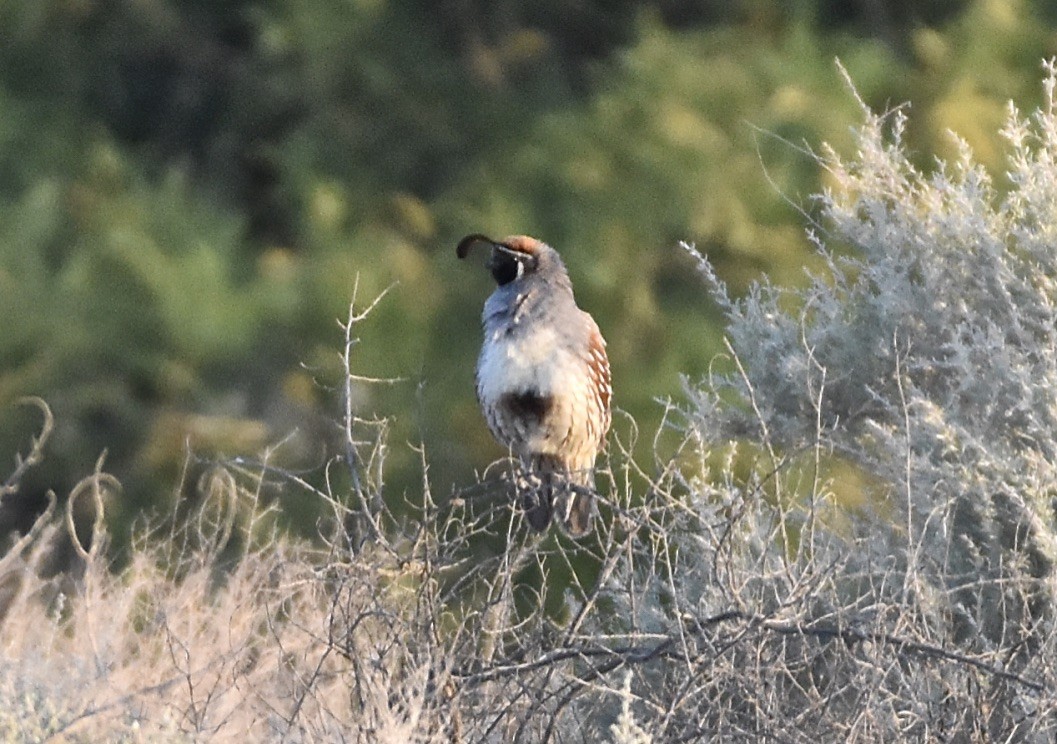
36	447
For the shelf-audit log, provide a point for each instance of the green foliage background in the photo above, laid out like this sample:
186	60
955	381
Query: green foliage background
190	191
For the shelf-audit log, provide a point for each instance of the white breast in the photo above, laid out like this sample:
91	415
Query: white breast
529	364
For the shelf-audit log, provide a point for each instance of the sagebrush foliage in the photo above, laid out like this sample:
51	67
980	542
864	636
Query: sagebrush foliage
929	354
926	355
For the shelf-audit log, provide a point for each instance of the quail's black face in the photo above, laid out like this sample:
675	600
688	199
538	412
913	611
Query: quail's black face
505	268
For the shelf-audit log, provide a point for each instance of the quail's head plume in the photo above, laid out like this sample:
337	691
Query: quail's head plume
543	378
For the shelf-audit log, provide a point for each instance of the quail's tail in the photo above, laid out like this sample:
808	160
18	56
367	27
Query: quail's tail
571	495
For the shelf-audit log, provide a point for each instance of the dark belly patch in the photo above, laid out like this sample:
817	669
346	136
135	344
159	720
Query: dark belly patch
529	404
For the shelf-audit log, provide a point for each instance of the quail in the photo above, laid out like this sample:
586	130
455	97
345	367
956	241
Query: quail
543	379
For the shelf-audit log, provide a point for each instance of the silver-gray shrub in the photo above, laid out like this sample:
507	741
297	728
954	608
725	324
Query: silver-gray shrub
926	356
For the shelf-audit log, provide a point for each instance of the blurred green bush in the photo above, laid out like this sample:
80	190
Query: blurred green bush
190	190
